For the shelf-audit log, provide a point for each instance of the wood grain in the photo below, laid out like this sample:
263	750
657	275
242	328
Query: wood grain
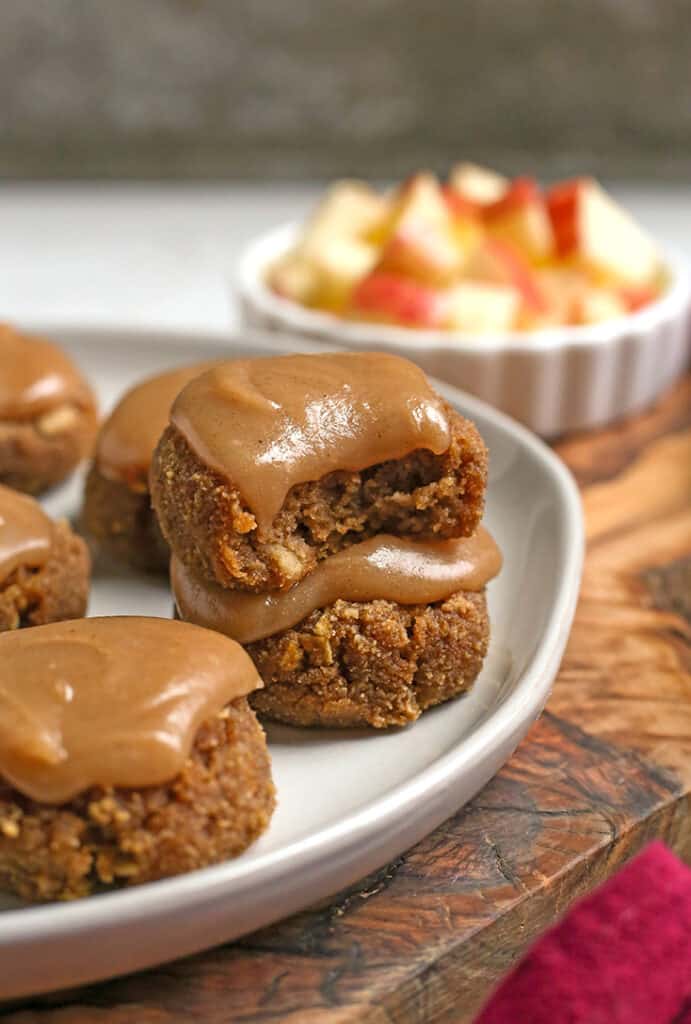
606	769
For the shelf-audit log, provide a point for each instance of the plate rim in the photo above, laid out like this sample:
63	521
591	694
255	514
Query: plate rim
504	727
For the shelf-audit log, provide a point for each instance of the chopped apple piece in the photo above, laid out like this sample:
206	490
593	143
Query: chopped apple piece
323	274
477	185
340	263
561	289
294	278
423	251
349	208
397	300
468	234
480	308
419	201
502	263
421	242
520	192
590	226
421	198
459	207
596	305
521	217
466	223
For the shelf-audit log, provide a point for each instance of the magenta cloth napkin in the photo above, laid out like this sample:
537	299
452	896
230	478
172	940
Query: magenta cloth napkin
621	956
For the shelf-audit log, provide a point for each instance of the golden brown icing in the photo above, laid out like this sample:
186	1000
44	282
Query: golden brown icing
268	424
35	376
384	567
26	533
112	701
130	434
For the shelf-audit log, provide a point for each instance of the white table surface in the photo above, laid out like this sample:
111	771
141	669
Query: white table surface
163	255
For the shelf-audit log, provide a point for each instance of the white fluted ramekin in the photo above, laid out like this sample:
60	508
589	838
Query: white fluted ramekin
556	380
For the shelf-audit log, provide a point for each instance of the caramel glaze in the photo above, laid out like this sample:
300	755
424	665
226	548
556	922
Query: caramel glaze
387	568
36	376
26	533
268	424
110	702
127	439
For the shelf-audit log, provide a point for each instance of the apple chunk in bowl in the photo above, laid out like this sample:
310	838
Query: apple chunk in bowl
553	305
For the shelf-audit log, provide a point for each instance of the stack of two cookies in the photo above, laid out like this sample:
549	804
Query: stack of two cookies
325	512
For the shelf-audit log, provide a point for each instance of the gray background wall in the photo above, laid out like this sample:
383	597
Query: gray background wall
314	88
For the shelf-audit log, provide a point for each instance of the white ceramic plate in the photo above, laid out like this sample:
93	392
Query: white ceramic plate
347	801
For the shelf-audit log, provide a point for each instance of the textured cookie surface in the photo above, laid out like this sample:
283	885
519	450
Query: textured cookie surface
47	412
58	590
123	524
217	806
371	664
33	458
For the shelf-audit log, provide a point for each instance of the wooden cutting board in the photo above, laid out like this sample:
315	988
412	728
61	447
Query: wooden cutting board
605	770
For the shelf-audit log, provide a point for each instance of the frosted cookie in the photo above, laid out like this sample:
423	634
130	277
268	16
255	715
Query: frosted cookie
117	504
128	753
44	566
47	413
269	466
375	635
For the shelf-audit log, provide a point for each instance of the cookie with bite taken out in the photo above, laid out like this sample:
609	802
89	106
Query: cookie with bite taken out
269	466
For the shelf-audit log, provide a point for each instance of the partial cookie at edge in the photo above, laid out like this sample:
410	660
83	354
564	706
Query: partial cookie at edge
33	461
213	810
58	590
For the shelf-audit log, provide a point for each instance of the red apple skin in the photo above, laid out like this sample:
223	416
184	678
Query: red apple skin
616	246
562	206
637	297
459	206
398	300
520	192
